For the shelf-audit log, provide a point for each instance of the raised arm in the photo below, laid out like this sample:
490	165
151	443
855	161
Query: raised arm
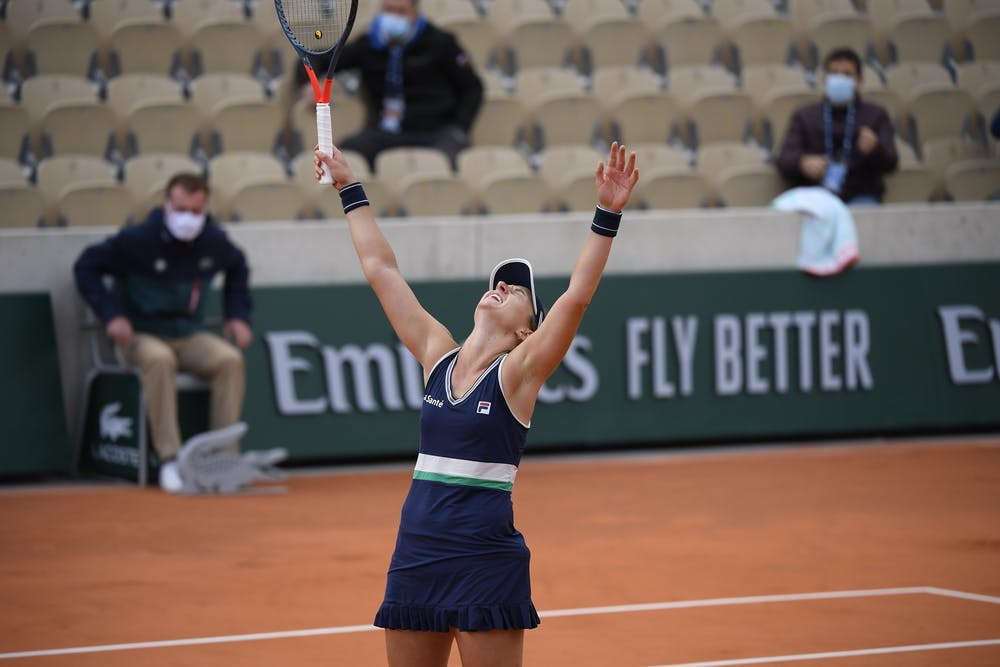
531	362
426	338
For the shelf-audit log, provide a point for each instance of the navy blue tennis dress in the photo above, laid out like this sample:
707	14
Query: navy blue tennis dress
459	562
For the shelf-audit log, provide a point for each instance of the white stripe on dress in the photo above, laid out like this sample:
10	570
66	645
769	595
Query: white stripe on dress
442	465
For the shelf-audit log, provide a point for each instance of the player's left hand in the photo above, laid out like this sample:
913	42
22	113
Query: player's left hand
616	180
238	332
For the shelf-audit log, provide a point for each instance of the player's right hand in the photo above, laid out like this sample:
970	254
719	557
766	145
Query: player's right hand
119	329
337	165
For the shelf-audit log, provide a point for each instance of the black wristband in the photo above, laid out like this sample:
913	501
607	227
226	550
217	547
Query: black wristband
353	196
606	222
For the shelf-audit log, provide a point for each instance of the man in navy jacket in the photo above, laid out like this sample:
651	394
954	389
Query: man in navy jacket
418	84
162	270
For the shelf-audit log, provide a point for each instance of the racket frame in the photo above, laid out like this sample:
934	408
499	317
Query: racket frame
324	119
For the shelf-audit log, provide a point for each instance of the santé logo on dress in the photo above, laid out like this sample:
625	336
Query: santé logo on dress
484	408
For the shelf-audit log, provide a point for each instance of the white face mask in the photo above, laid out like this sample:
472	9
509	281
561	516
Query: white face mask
184	225
392	27
839	89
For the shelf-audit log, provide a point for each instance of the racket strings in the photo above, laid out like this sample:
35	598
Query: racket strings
317	25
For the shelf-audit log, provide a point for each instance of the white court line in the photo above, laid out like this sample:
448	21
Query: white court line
837	654
554	613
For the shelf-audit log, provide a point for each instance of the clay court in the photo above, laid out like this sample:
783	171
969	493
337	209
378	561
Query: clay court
845	555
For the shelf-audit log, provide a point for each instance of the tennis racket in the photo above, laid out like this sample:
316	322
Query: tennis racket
318	29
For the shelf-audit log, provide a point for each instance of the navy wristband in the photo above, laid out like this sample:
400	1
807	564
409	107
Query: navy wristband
606	222
353	196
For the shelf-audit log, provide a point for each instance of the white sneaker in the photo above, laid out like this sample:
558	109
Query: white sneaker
170	477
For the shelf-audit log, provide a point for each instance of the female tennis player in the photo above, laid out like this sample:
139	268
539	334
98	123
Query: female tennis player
460	569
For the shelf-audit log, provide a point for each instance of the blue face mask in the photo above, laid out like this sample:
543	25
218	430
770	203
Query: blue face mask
393	27
839	89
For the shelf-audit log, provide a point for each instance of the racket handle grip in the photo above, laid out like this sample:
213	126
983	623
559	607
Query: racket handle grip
324	136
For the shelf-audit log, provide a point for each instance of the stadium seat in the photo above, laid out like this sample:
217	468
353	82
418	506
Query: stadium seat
961	14
974	180
397	164
885	13
531	35
917	38
774	90
747	185
22	206
939	112
477	36
213	88
21	16
264	200
15	127
8	61
434	195
683	34
502	180
146	177
223	45
939	154
144	46
500	121
422	182
568	172
982	33
61	125
803	12
57	173
761	40
776	113
187	14
657	155
163	127
911	183
227	172
76	52
11	172
88	204
606	34
636	109
558	110
672	187
902	78
888	99
105	15
828	32
714	108
130	90
245	125
712	159
40	92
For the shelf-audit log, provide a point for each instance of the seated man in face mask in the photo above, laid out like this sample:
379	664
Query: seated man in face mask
417	83
162	271
841	143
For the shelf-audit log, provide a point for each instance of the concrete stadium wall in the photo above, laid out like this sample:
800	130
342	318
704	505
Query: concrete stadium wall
654	242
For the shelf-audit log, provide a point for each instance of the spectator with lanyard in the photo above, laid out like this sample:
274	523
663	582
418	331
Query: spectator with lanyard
842	143
418	85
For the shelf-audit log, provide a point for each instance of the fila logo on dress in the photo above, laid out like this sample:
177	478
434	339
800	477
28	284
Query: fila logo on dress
484	408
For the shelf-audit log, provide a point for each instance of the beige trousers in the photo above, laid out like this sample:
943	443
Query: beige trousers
204	354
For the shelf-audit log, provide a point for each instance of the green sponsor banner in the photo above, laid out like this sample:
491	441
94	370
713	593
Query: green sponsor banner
658	359
33	428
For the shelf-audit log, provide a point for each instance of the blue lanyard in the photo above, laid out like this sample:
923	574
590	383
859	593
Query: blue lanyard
848	143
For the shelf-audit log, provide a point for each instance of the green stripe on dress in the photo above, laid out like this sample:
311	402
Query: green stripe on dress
462	481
